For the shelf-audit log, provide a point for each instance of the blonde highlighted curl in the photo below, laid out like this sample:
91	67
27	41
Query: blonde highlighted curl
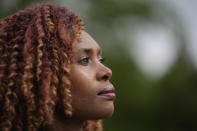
35	57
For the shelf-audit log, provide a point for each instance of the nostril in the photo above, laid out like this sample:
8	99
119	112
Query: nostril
105	77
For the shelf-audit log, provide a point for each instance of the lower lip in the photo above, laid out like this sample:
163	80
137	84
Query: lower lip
109	96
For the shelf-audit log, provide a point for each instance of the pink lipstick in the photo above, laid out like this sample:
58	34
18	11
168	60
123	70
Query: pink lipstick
108	93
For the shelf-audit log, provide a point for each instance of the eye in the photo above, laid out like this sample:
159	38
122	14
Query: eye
101	60
84	61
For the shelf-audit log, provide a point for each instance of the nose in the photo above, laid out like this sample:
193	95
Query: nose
104	74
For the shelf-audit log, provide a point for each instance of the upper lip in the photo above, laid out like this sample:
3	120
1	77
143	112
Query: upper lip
109	89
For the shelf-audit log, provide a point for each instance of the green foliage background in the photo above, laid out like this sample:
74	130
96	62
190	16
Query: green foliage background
142	104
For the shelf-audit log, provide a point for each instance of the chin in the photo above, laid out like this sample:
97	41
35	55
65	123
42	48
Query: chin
105	111
95	112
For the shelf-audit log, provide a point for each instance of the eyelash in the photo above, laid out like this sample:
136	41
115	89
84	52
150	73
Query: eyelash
85	61
101	60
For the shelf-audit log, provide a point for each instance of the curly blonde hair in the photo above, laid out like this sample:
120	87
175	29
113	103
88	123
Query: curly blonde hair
35	57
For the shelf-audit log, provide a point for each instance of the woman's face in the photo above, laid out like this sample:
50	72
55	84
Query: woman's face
92	93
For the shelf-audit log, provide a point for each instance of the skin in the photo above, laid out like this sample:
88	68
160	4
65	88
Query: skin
89	77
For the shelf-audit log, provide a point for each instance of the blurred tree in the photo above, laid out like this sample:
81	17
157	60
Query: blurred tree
8	7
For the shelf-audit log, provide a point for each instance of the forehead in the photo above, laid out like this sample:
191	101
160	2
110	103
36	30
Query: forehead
86	42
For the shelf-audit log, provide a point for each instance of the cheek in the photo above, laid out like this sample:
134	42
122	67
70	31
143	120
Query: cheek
86	104
82	83
83	93
92	108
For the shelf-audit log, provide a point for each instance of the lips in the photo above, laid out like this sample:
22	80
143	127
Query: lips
108	93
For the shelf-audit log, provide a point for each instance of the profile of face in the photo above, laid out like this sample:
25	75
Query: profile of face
51	73
92	92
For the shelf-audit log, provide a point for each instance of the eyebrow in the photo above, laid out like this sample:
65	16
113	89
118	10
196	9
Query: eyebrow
89	50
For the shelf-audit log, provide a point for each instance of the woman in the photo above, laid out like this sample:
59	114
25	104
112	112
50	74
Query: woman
51	73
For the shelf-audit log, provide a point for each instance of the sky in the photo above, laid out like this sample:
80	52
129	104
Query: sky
187	9
155	49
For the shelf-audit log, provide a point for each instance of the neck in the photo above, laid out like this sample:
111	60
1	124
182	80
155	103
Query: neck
66	124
